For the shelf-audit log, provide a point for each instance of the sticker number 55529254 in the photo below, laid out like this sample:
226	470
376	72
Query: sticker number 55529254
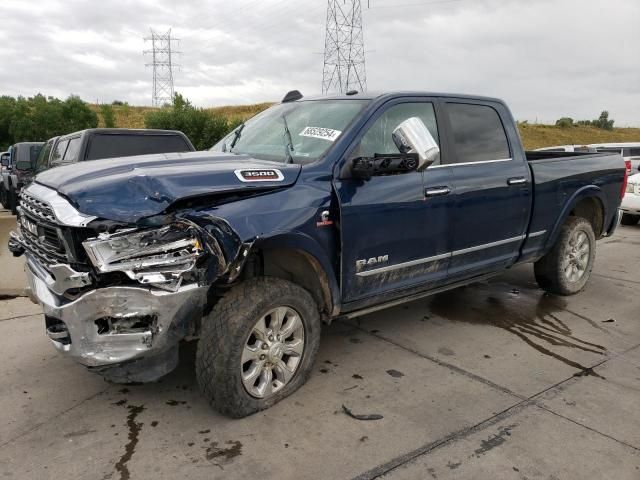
320	132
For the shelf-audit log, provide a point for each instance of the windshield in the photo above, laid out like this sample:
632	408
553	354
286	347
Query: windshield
298	132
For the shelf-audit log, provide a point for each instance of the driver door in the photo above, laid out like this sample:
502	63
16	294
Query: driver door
394	228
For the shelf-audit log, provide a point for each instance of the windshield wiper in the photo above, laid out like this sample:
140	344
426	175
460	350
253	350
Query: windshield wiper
289	141
236	136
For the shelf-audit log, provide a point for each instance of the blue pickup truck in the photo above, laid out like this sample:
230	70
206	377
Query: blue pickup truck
312	210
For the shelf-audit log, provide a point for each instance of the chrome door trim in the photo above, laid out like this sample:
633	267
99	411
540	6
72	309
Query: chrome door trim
537	234
487	245
442	256
411	263
470	163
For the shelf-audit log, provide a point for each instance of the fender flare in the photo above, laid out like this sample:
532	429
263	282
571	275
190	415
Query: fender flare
589	191
305	244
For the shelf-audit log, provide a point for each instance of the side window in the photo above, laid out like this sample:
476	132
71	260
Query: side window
58	153
478	133
71	155
378	138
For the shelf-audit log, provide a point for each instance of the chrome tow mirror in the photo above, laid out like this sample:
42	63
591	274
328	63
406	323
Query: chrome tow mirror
412	136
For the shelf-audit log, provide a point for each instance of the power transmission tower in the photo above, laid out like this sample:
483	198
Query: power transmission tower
162	63
344	67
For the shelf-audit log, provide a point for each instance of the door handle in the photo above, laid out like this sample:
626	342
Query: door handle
436	191
516	181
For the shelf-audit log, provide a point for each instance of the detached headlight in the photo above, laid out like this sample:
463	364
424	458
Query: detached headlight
155	256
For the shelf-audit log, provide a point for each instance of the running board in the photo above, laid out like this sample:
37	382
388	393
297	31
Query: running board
416	296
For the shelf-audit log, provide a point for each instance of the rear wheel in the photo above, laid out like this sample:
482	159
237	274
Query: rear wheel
567	267
257	346
628	219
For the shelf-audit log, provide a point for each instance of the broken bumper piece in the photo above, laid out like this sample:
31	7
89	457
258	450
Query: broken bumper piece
108	327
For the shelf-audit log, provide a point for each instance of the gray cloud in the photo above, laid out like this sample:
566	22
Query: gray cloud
547	58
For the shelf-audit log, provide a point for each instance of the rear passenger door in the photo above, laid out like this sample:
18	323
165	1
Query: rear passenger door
492	186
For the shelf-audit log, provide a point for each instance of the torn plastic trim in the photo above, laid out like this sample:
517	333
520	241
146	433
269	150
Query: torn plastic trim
228	253
61	278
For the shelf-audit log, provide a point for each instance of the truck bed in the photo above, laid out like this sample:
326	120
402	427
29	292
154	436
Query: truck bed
560	179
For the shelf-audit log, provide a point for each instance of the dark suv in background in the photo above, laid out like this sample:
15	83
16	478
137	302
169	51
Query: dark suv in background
97	143
18	171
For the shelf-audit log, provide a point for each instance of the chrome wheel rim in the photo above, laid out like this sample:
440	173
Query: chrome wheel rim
272	352
576	258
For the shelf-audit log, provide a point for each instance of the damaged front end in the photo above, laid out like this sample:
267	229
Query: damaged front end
119	298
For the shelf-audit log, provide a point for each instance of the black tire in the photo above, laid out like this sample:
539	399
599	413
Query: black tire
550	269
13	201
227	328
628	219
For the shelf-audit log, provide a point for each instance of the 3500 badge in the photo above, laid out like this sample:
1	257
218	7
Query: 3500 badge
268	175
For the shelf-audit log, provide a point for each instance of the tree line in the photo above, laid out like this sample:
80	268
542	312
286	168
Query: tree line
204	128
38	118
603	122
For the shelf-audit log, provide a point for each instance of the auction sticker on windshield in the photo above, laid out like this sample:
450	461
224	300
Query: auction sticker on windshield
321	132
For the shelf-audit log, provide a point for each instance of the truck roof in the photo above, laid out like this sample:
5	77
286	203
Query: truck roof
399	93
120	131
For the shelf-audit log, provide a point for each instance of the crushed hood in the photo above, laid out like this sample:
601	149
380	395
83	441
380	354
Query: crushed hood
130	188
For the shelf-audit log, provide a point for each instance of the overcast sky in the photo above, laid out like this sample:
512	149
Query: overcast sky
546	58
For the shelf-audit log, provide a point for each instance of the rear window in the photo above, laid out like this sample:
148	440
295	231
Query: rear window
478	133
122	145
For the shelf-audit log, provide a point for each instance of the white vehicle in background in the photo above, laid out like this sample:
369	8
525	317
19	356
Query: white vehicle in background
630	152
631	202
566	148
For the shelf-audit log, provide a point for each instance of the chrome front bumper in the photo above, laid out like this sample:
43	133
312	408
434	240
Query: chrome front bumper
74	326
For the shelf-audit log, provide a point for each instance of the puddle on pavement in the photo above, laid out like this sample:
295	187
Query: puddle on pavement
529	315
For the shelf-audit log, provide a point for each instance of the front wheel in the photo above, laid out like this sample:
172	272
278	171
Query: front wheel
13	201
257	346
628	219
567	267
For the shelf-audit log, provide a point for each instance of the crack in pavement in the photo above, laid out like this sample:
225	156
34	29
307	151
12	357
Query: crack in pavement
53	417
399	461
447	365
616	278
20	316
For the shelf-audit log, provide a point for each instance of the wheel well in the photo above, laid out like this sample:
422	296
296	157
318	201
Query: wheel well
590	209
301	268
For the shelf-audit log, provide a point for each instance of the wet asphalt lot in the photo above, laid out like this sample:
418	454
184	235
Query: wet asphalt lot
495	380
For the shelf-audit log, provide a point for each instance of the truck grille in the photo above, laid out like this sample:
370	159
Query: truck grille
37	208
40	232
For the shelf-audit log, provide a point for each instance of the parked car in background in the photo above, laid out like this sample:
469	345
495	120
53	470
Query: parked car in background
631	202
19	171
100	143
567	148
629	151
4	165
312	210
